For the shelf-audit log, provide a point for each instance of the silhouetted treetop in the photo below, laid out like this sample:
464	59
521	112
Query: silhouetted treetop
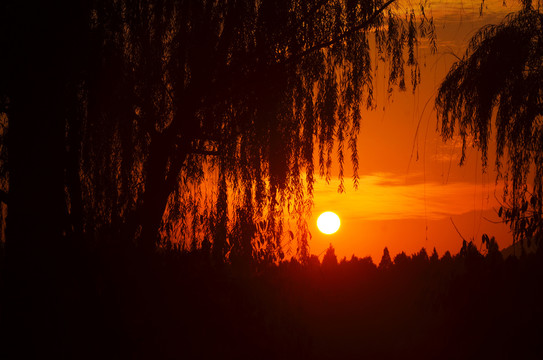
434	257
330	259
386	261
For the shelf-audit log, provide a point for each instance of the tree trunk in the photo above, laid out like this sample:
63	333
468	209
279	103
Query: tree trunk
221	220
155	196
161	181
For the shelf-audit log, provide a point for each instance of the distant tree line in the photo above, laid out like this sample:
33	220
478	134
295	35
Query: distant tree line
180	303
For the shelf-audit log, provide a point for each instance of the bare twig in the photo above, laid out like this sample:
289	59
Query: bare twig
458	231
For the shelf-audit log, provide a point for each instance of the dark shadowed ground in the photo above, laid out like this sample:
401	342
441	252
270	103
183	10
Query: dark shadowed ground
177	305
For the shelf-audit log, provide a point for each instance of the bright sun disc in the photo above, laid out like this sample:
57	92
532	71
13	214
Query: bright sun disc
328	222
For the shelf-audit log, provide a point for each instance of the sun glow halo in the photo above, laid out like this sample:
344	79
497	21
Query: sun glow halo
328	222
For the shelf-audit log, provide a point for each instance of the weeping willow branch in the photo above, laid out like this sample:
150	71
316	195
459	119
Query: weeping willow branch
334	40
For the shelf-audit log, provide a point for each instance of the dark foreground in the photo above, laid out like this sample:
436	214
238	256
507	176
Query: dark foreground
178	305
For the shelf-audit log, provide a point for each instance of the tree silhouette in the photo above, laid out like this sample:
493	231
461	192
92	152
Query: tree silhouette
386	261
501	73
240	91
401	260
493	253
434	258
329	261
190	120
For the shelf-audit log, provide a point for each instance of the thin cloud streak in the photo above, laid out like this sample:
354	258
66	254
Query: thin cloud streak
388	197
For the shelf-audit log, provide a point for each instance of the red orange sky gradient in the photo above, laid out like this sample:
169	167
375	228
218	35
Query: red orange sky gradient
412	191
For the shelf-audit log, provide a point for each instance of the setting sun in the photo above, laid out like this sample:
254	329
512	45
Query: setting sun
328	222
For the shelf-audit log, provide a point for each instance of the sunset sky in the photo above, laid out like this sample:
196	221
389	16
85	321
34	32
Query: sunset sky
411	184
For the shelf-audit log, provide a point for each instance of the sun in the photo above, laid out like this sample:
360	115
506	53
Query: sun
328	222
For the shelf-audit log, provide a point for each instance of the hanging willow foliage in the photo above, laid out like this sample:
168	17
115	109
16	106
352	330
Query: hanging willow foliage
204	117
501	77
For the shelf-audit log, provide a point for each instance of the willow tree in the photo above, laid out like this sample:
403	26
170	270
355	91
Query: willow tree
197	118
498	84
241	95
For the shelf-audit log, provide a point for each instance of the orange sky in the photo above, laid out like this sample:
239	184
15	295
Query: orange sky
411	185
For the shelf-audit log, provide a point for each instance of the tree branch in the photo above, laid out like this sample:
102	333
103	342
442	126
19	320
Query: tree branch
340	37
458	231
293	28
